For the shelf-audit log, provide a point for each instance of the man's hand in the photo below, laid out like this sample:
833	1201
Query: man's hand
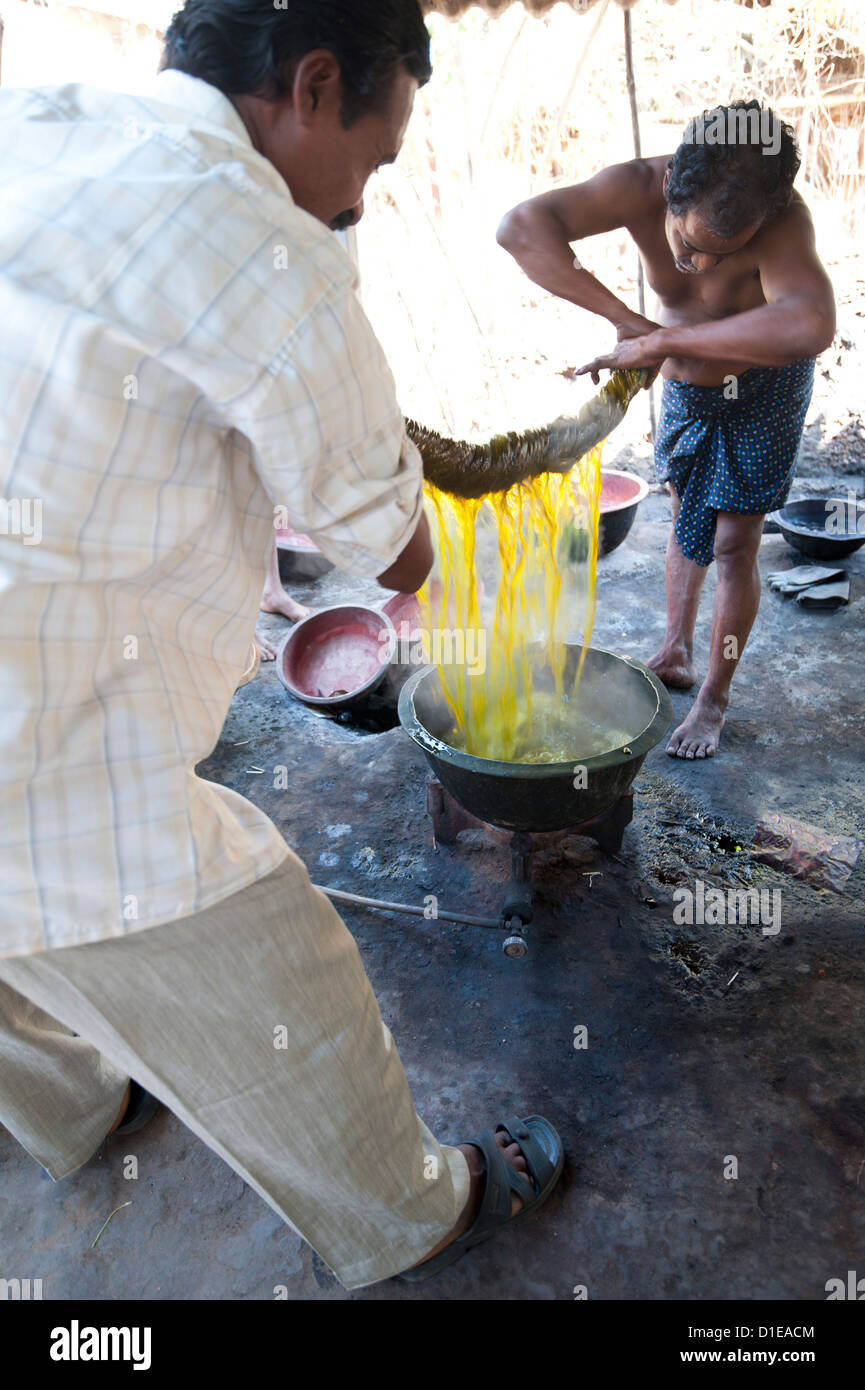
631	352
638	327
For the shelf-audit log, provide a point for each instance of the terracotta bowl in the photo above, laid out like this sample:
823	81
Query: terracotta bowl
336	657
621	494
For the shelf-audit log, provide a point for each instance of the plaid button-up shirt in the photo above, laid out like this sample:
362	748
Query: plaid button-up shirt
182	352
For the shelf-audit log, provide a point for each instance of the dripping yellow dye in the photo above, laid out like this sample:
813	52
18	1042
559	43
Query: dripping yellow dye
545	536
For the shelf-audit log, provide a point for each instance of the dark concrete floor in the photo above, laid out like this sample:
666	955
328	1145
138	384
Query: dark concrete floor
703	1042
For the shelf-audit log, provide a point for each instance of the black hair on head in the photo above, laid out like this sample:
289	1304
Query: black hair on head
250	47
737	164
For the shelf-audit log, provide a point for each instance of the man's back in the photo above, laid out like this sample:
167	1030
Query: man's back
143	323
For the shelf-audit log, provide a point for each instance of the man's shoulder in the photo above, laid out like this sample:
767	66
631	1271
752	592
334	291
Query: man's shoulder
34	103
178	142
650	168
641	175
792	227
636	186
797	211
164	197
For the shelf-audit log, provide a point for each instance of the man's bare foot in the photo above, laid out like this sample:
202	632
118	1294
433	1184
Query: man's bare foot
123	1109
674	667
478	1170
276	600
698	735
266	648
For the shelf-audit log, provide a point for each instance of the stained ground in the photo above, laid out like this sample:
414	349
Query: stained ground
710	1049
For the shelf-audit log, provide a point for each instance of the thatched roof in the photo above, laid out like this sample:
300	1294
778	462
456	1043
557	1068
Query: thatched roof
452	8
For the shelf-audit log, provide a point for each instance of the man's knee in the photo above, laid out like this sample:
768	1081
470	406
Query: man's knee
737	539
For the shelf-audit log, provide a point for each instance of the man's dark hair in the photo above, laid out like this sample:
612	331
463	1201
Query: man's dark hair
737	163
251	47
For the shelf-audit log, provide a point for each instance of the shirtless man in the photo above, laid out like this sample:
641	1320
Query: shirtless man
744	307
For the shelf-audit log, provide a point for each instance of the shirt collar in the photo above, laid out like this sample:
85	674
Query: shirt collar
197	98
207	108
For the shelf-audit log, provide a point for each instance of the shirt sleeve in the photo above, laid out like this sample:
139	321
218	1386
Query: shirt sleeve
329	440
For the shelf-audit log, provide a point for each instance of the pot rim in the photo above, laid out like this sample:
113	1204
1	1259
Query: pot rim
833	539
631	501
469	762
282	544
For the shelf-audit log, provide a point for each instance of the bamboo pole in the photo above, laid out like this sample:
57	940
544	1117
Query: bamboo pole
635	128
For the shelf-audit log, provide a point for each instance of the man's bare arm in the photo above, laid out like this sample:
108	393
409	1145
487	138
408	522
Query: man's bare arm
797	320
538	234
411	567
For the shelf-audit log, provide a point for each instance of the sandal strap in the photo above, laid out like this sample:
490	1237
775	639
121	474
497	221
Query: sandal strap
537	1160
495	1205
502	1178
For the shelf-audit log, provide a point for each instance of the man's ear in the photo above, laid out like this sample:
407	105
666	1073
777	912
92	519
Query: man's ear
317	85
666	180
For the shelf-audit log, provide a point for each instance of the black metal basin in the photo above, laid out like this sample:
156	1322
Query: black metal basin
542	796
805	525
299	560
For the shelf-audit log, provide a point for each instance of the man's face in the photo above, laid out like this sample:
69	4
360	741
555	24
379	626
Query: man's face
697	250
326	166
358	152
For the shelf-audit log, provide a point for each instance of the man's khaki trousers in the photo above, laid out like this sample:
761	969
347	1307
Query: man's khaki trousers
254	1022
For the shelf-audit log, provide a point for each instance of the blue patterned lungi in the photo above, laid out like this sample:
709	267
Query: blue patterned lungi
736	455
